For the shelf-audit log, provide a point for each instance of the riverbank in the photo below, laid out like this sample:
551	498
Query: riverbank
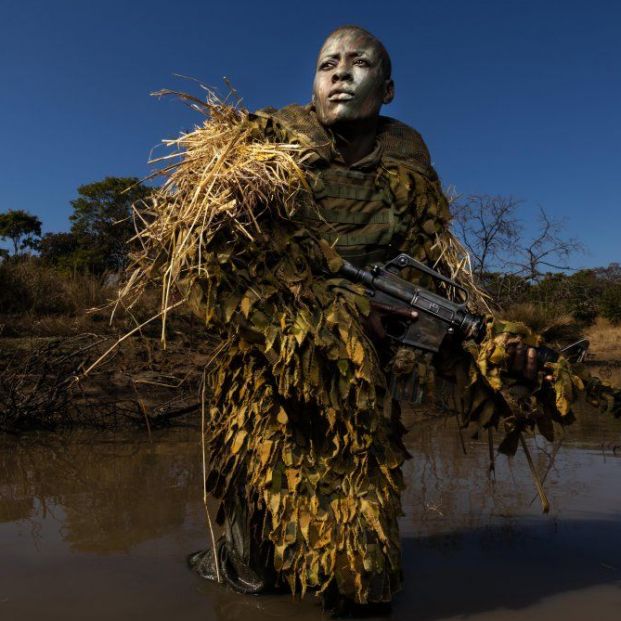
44	383
43	386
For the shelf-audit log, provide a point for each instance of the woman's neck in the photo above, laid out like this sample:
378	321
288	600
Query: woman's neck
355	140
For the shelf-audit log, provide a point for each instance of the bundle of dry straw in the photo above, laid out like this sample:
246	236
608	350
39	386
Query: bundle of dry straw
219	179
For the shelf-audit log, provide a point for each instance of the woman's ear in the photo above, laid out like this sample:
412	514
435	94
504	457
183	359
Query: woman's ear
389	91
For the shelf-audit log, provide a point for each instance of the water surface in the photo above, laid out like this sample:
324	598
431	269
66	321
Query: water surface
97	526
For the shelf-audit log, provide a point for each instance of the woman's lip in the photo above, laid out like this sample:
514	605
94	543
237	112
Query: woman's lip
340	97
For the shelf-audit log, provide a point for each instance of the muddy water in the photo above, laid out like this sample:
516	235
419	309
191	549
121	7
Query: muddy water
96	526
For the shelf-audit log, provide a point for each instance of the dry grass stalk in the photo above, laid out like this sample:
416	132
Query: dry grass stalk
454	257
205	494
221	180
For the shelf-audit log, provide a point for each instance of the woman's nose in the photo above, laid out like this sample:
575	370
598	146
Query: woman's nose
341	72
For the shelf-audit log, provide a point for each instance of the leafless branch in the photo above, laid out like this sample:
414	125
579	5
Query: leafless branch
489	228
548	249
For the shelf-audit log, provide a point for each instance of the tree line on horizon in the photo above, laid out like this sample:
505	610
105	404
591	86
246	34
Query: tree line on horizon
101	225
513	267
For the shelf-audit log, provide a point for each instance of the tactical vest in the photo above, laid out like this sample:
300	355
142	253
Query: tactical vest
366	212
355	211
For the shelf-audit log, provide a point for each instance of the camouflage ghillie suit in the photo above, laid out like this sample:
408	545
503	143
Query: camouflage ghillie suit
305	452
305	446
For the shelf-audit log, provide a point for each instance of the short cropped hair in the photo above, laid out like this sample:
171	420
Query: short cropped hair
384	56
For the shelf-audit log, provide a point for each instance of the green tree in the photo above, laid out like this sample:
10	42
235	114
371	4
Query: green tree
58	249
21	227
102	222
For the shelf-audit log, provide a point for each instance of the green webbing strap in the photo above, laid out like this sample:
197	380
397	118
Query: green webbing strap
380	238
337	216
349	185
350	192
392	221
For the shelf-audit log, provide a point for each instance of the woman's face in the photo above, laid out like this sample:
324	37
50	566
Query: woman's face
349	80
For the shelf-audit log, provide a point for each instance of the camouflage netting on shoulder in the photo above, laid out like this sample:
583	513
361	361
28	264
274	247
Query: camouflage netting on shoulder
295	415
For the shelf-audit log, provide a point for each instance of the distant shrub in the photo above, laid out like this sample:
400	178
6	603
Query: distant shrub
29	286
610	304
39	299
548	321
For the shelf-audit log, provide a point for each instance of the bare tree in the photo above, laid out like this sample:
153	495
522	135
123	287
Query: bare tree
490	229
547	250
504	258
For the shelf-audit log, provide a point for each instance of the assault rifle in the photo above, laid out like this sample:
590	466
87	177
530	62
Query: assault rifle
419	318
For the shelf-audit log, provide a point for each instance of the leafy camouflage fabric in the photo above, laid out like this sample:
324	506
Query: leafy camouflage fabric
299	419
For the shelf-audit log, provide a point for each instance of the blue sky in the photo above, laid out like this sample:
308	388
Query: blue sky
513	98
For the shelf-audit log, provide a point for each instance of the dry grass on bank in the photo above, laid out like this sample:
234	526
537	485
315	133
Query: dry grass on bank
605	341
39	300
28	285
557	329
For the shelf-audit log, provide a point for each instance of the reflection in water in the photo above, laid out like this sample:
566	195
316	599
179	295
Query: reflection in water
112	494
115	515
450	489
